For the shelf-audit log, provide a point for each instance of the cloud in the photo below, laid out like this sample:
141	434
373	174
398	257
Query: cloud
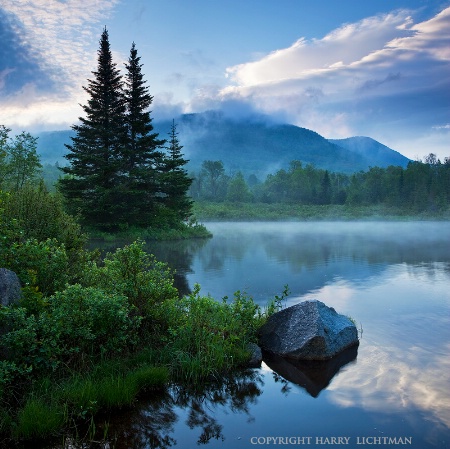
377	75
48	50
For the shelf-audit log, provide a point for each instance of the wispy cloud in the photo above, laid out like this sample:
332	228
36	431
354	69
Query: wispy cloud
384	71
48	52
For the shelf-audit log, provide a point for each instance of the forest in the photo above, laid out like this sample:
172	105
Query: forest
423	186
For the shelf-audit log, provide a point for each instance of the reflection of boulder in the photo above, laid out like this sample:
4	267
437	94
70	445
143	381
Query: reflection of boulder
255	355
312	375
309	330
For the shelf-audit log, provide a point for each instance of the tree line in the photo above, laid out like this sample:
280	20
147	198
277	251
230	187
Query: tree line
121	174
422	185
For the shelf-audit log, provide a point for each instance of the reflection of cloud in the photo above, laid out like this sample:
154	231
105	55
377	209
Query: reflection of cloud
388	381
337	295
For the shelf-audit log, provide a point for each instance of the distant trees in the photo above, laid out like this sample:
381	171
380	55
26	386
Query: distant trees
238	190
421	186
118	170
211	182
19	161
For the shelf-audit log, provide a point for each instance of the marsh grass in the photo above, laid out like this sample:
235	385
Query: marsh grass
38	420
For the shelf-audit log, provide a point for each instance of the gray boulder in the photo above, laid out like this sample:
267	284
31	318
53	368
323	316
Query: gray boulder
309	330
10	288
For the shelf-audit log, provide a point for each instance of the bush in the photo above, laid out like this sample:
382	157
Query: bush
207	337
40	264
23	346
40	215
131	272
89	322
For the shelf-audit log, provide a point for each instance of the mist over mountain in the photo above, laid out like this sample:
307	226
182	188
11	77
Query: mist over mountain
255	145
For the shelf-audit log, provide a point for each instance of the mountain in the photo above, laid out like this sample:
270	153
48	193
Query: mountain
252	146
50	146
372	151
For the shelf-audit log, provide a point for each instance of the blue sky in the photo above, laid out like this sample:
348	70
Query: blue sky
342	68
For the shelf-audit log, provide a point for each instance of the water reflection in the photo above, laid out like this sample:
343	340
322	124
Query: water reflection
312	375
391	278
262	257
152	424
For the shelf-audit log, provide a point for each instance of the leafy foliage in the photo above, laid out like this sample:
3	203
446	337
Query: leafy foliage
131	272
207	337
89	322
19	161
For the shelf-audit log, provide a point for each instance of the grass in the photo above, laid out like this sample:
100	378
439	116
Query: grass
54	405
38	419
228	211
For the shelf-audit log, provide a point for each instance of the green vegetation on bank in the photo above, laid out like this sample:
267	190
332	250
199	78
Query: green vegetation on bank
237	211
90	335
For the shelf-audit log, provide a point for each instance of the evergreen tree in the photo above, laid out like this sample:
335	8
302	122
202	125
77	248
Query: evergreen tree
325	189
93	182
142	154
175	181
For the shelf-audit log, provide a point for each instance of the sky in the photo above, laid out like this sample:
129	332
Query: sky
377	68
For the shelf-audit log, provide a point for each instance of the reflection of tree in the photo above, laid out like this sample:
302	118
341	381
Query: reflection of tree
152	424
285	385
178	255
234	393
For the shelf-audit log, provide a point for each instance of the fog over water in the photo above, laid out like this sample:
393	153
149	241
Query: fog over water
262	257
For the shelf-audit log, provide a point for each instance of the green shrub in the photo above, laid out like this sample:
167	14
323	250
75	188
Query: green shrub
24	346
40	215
206	337
90	322
131	272
39	264
39	240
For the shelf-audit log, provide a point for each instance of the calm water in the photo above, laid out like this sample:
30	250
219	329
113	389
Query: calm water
392	278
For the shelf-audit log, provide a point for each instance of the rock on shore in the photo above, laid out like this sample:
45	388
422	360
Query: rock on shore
309	330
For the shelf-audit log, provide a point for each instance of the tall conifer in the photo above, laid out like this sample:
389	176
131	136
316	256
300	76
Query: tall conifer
142	153
93	182
175	180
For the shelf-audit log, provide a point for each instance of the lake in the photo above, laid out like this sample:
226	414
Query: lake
392	278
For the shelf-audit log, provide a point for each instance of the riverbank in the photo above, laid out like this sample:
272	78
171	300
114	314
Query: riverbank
183	231
96	345
228	211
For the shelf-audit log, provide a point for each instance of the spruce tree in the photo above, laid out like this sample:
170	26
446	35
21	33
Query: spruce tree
142	154
93	183
175	181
